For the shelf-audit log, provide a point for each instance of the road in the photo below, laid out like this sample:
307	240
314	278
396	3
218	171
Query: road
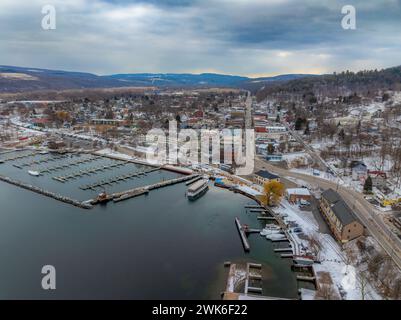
248	111
315	156
365	212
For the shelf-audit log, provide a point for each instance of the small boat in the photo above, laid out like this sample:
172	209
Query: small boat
34	173
269	232
276	236
303	260
102	197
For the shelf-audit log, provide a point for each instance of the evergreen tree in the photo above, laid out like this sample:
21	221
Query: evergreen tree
368	187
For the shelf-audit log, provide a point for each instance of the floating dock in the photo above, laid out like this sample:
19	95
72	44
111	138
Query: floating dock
242	233
20	157
88	172
116	179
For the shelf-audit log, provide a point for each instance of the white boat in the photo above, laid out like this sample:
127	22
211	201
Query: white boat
270	232
275	236
266	231
34	173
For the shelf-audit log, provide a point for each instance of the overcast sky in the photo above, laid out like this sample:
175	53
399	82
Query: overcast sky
242	37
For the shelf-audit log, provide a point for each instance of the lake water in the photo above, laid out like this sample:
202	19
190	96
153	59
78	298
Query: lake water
159	246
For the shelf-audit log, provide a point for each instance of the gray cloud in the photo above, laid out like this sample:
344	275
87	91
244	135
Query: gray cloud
247	37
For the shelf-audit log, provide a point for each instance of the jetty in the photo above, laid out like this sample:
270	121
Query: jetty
46	193
128	194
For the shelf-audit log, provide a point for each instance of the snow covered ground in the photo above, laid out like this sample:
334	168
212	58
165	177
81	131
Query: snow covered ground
333	258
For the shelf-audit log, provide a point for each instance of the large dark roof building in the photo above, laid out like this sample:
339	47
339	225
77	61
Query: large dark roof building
339	216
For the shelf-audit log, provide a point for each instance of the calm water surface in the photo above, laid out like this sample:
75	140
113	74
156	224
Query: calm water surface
159	246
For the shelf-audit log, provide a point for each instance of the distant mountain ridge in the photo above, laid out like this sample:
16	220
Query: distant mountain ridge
20	79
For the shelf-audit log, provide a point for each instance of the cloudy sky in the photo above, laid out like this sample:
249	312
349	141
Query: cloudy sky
243	37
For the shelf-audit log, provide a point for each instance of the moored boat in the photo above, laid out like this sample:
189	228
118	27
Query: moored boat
34	173
197	189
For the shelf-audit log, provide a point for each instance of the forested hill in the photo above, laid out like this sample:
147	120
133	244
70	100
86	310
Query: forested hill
344	83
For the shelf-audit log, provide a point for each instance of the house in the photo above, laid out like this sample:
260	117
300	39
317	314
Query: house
378	178
359	170
295	195
340	218
263	176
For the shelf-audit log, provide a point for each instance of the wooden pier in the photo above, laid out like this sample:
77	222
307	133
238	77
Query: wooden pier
242	233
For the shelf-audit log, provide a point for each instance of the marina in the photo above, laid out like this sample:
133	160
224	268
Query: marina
129	195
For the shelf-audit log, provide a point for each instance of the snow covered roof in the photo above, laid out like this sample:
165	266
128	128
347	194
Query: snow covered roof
299	191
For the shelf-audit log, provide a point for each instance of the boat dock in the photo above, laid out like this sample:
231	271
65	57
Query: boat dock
250	276
267	218
70	164
128	194
47	160
116	179
46	193
19	157
242	233
254	206
193	180
283	249
88	172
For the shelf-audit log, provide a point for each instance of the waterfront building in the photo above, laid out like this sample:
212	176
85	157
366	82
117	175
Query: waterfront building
339	216
263	176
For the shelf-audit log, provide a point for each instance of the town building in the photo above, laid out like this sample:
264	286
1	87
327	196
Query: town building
379	178
263	176
359	170
295	195
340	218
